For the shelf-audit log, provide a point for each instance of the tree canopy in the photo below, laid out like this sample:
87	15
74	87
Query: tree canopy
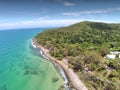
85	45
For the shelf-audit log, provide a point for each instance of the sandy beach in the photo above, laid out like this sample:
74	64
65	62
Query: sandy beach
72	77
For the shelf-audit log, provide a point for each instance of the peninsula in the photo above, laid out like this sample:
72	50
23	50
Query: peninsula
80	49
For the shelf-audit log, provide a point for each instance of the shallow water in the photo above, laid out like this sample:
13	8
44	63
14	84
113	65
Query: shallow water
21	67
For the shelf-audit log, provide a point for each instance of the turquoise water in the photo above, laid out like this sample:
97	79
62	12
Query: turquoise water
20	67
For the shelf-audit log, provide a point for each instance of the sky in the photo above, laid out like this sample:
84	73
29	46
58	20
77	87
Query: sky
56	13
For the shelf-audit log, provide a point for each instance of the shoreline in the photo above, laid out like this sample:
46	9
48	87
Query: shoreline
57	67
73	79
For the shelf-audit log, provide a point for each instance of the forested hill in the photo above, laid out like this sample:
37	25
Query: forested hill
89	35
98	25
85	45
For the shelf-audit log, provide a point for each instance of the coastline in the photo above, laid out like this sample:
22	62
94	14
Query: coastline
57	67
73	79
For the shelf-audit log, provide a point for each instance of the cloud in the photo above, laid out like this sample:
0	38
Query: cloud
68	4
71	14
91	12
84	13
113	9
38	23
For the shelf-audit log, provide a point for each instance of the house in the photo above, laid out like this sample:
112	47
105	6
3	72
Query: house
115	53
112	55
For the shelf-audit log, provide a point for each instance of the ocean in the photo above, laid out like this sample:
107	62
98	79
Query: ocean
21	67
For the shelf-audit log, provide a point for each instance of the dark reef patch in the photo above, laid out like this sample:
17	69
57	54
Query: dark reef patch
3	87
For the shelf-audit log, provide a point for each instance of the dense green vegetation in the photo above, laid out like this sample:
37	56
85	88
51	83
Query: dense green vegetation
85	45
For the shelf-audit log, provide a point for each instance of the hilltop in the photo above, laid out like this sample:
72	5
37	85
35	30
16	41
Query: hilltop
84	46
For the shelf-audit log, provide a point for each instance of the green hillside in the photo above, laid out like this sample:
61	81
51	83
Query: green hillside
85	45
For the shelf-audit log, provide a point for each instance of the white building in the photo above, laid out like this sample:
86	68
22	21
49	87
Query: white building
115	53
112	55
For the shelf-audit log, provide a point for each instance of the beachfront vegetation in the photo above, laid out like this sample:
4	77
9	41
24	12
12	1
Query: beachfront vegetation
85	45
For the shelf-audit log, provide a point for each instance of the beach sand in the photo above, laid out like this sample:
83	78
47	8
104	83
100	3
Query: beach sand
72	77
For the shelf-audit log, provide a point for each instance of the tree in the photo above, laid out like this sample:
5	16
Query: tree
104	51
